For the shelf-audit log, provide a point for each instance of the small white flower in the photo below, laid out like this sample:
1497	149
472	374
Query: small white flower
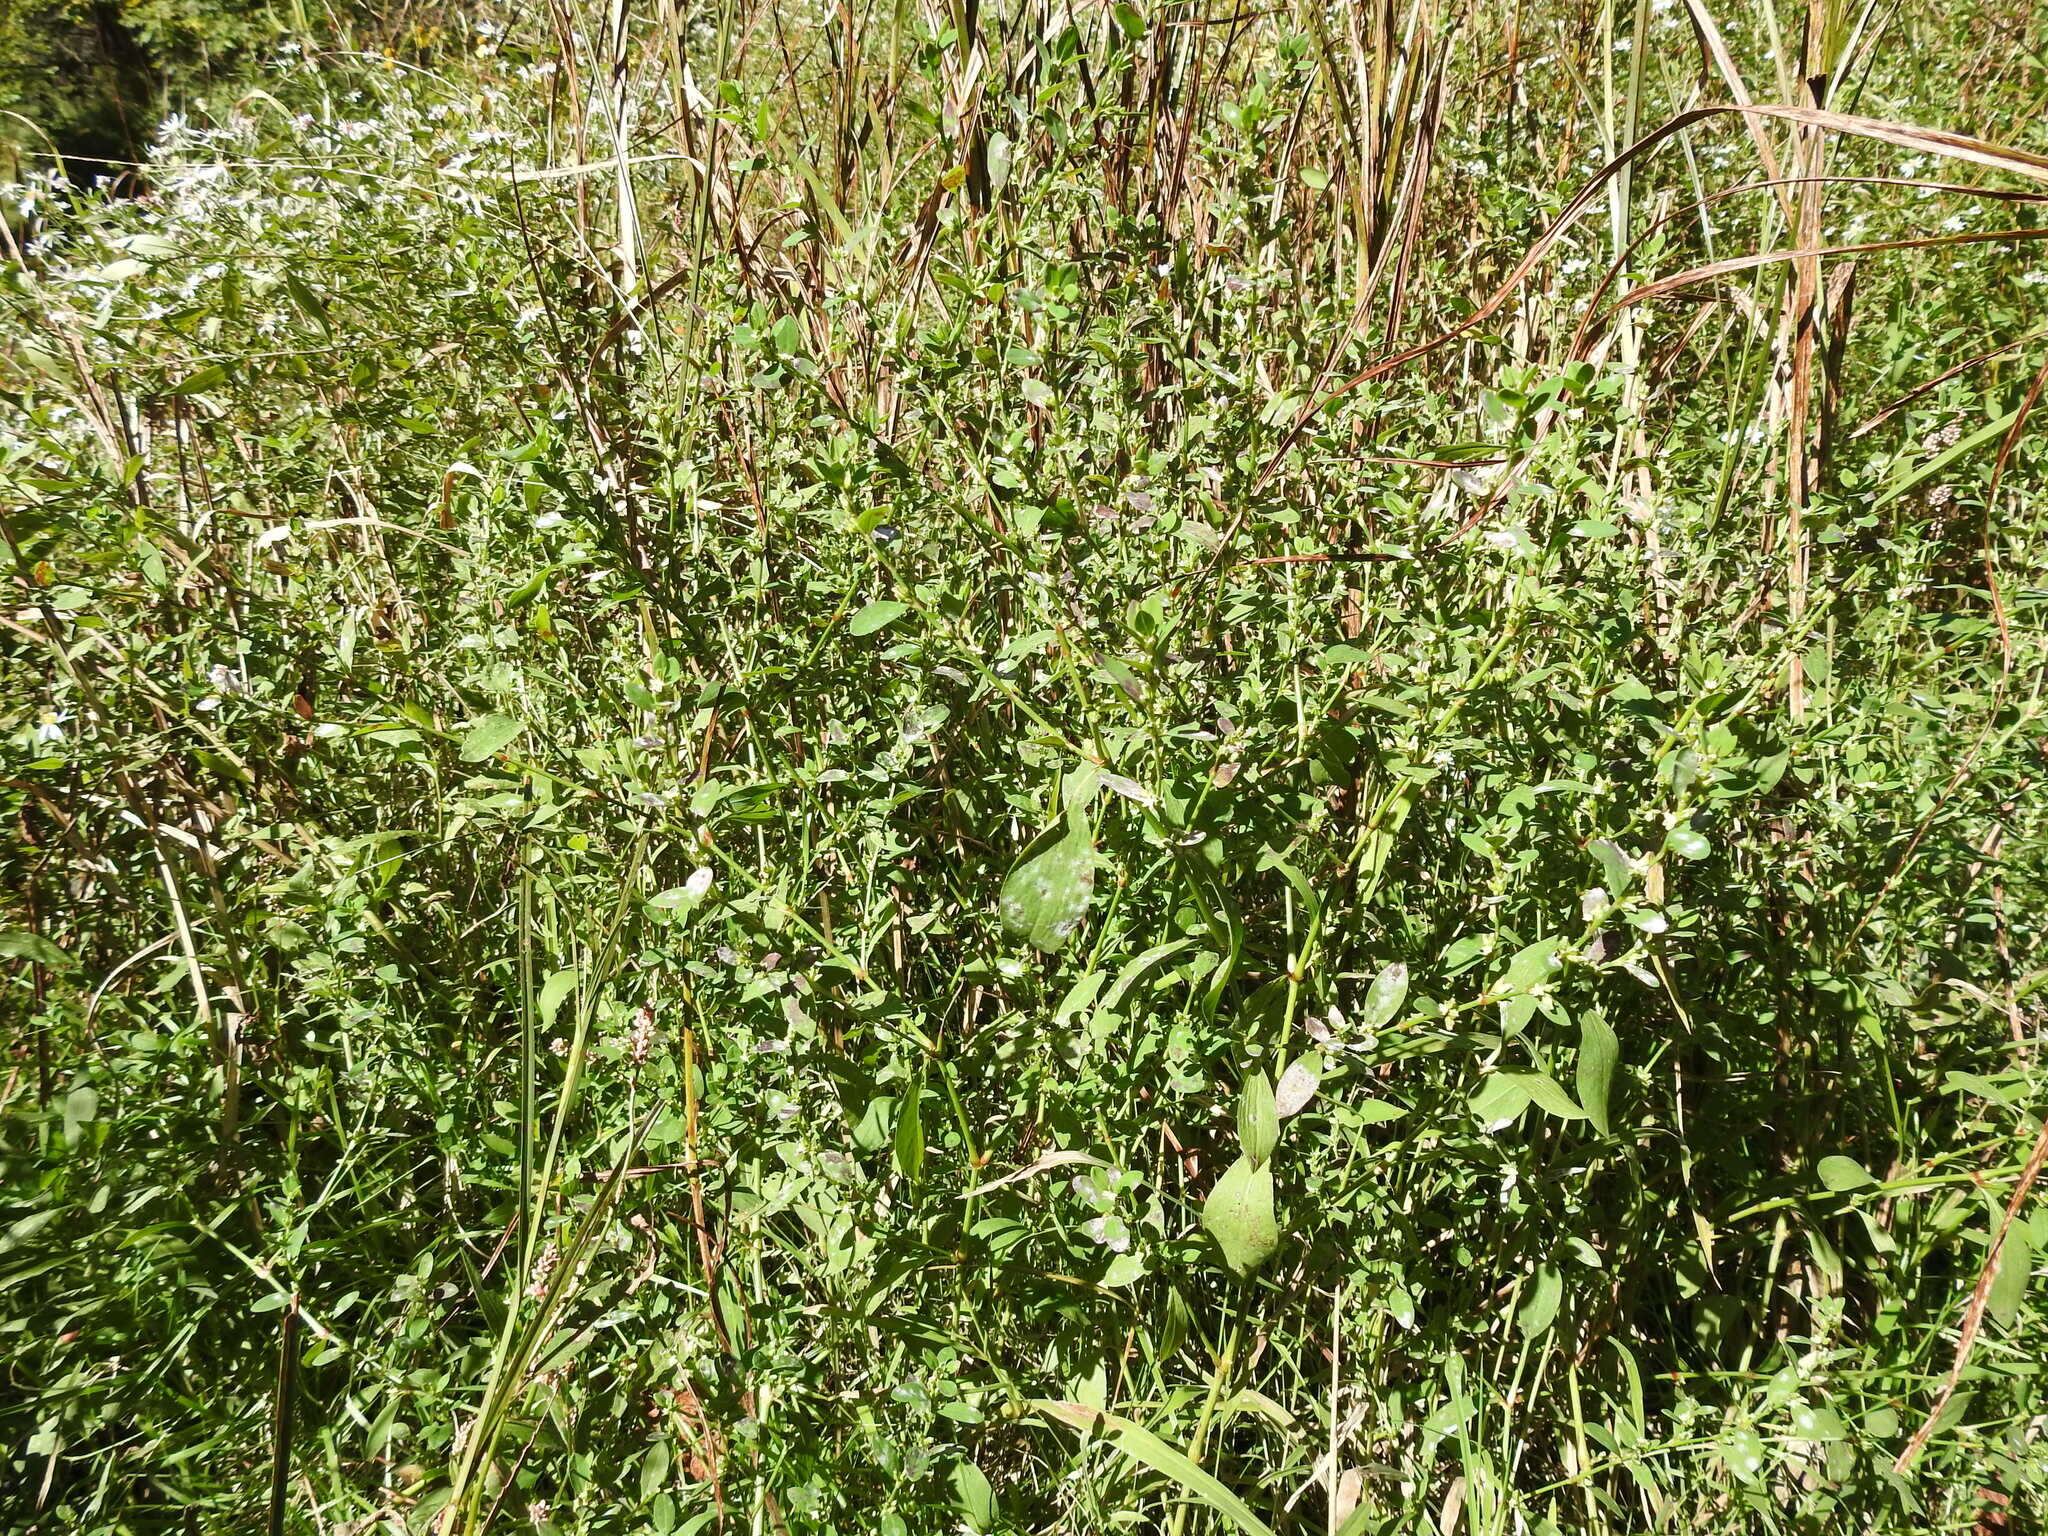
50	727
1594	902
698	886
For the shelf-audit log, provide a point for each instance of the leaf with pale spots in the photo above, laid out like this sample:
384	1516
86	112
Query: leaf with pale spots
1047	894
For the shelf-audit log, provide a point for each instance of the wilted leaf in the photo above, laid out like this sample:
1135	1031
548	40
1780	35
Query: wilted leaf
1383	1000
1297	1085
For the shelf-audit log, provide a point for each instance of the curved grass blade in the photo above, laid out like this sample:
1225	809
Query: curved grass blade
1146	1448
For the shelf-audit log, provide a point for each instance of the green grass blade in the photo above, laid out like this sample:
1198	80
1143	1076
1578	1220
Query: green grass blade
1146	1448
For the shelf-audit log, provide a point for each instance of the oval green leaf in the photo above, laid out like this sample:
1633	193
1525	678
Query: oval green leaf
1239	1215
876	616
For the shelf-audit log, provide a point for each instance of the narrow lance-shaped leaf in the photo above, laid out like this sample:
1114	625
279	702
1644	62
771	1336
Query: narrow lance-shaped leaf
1146	1448
1258	1118
1599	1051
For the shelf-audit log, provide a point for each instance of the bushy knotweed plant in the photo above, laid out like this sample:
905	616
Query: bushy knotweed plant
769	771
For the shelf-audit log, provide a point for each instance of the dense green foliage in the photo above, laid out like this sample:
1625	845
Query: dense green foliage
713	825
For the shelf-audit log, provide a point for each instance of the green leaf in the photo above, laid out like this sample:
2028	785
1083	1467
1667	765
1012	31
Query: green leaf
654	1468
18	945
1937	464
1539	1308
488	735
2015	1267
1384	998
1501	1097
552	992
974	1496
874	1129
1599	1051
1614	865
1146	1448
1545	1094
1841	1174
1048	892
1129	19
1686	843
81	1108
1531	966
1239	1215
1124	1269
206	378
909	1138
876	616
1258	1118
1817	1424
1742	1448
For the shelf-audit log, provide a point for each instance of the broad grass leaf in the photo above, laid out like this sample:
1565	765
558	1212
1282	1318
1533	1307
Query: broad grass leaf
1545	1094
1599	1051
909	1138
1147	1449
1048	892
876	616
488	735
1258	1118
971	1491
1841	1174
33	946
1239	1215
